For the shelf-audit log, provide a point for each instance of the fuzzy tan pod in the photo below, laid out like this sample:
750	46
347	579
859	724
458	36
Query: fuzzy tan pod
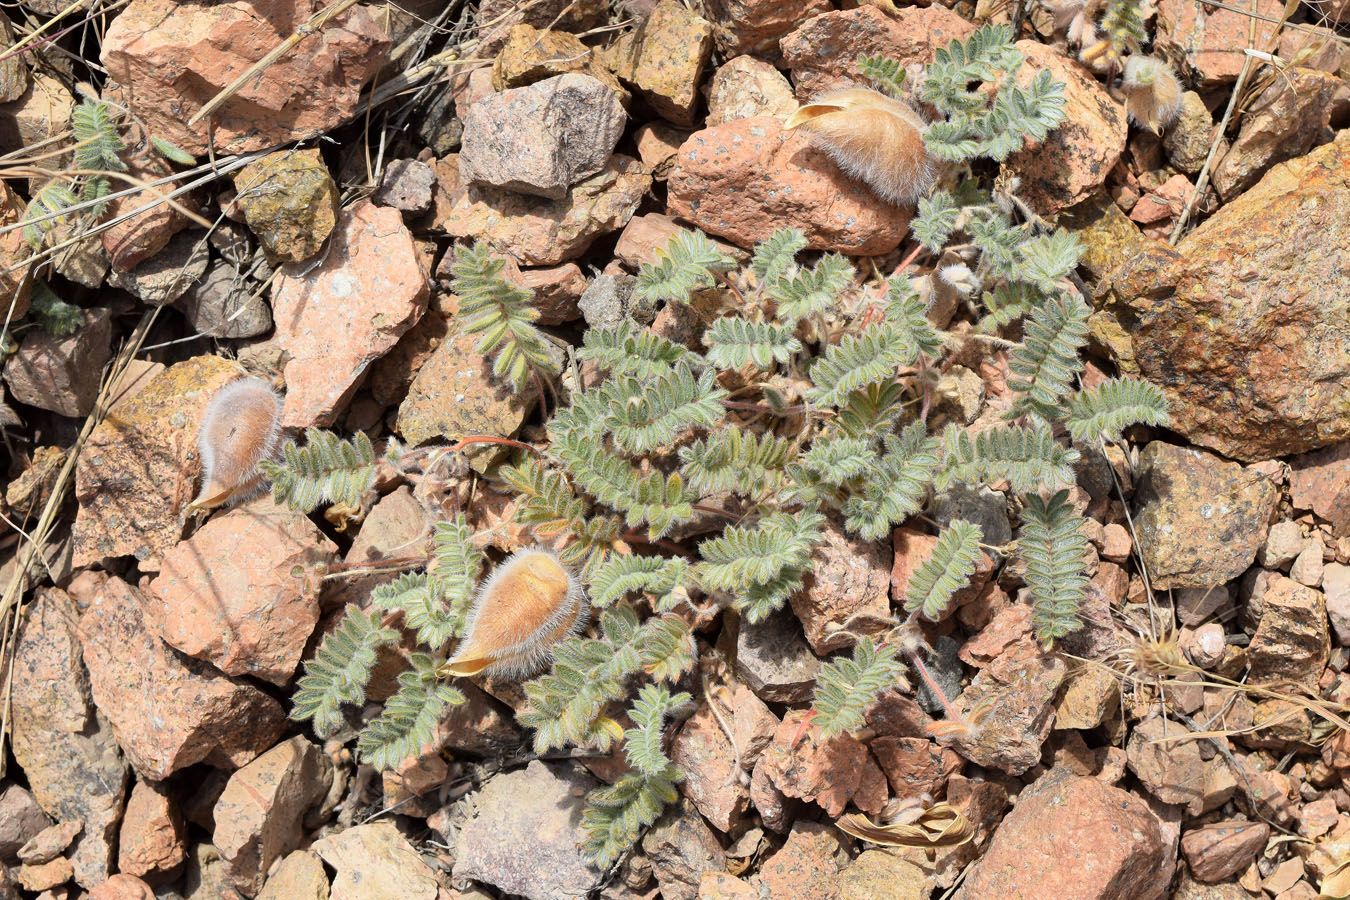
241	428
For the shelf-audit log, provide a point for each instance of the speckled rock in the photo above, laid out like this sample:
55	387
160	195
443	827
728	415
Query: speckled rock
50	842
145	233
1284	121
743	180
231	595
376	861
806	867
539	232
300	876
335	318
774	661
1024	681
1107	234
829	771
1188	139
1070	836
170	273
1293	638
1200	518
1220	850
1077	156
531	55
823	51
290	201
1176	771
756	26
1269	374
408	185
746	87
664	59
681	847
1211	39
174	57
538	807
152	841
61	373
168	712
138	468
849	576
714	770
64	745
258	816
221	305
543	138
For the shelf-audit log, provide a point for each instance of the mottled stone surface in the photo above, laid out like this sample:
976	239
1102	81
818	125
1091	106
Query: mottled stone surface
664	59
290	201
1023	681
850	577
1211	39
152	841
1246	324
1293	638
376	861
756	26
61	373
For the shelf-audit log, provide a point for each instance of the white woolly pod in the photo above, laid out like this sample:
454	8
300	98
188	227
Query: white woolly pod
875	138
526	606
241	428
1152	92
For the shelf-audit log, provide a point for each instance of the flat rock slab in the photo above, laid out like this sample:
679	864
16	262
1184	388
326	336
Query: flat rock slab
1245	325
375	862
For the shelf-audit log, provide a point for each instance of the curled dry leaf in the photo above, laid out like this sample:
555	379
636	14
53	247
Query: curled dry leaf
941	825
1336	885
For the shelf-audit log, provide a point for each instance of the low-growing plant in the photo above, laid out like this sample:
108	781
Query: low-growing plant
681	484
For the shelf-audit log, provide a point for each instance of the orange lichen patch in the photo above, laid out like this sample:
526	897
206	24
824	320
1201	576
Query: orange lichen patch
241	428
529	604
875	138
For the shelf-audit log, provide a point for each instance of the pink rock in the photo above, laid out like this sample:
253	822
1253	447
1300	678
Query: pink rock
1292	639
168	713
1009	626
755	26
1320	481
645	234
1023	682
657	146
823	52
914	766
146	233
807	866
152	841
775	808
258	816
61	373
850	578
1174	771
1116	543
172	58
1077	156
50	842
745	179
827	771
716	772
230	593
556	291
335	318
746	87
1211	39
1070	836
390	530
982	803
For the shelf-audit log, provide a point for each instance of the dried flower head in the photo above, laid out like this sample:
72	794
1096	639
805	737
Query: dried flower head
875	138
241	428
529	603
959	277
1152	92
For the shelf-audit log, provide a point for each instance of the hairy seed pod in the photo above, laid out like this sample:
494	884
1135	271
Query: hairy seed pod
526	606
1152	92
241	428
875	138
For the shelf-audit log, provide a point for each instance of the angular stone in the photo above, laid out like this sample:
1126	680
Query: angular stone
21	818
914	766
61	373
823	51
1223	849
1070	836
829	772
290	201
714	769
174	57
45	876
221	305
1292	639
1336	589
334	319
1211	39
376	861
1200	518
850	577
531	55
657	145
258	816
1188	139
137	470
1286	120
756	26
408	185
1320	481
806	867
300	876
168	712
746	87
15	282
540	232
774	661
556	292
1077	156
744	179
541	139
50	842
1269	375
538	807
122	887
1174	770
170	273
144	234
152	842
42	111
1283	544
681	848
230	594
1023	682
877	873
644	235
664	59
64	745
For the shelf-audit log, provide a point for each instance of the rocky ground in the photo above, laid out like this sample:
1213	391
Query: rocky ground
1190	743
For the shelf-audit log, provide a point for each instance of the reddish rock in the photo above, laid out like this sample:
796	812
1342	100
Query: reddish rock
1211	39
657	146
556	291
63	744
829	772
914	766
1022	682
1219	851
823	52
300	876
152	842
755	26
168	712
664	58
681	848
646	234
849	577
1292	639
334	319
231	594
776	809
1009	626
1077	156
745	179
746	87
1320	481
1070	836
145	233
807	865
15	282
138	467
1175	771
258	816
50	842
21	819
982	803
44	876
122	887
172	58
716	772
389	531
61	373
539	232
